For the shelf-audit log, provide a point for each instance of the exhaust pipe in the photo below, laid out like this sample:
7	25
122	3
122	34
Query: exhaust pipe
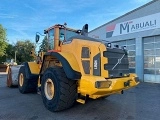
85	30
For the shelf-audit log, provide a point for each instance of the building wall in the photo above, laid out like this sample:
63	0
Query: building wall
148	9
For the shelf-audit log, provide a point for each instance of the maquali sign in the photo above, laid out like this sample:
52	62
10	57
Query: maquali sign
136	25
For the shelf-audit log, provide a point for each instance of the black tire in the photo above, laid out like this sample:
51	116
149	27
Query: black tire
28	85
65	90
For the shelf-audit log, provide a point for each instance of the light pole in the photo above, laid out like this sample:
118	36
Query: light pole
15	56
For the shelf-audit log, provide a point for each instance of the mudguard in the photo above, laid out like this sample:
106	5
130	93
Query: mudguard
31	70
69	63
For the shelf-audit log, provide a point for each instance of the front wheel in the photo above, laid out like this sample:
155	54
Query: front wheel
58	92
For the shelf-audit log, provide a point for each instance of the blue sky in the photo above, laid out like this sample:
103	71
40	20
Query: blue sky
23	18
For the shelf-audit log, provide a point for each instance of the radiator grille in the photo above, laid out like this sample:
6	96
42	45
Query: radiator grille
118	65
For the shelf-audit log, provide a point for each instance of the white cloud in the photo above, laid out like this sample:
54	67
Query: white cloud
30	7
7	15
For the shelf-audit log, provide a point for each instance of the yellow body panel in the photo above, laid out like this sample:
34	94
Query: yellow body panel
34	67
75	48
104	60
86	86
71	59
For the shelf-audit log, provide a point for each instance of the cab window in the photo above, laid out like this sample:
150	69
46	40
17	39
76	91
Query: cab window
51	39
70	34
66	34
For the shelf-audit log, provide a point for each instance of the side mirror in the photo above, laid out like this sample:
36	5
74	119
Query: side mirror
37	38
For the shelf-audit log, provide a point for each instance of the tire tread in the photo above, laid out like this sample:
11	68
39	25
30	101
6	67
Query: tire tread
67	89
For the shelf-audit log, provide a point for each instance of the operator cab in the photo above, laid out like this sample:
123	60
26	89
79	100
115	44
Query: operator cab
58	34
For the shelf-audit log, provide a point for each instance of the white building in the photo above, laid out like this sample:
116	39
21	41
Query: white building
139	30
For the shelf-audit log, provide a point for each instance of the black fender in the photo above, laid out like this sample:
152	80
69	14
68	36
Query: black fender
29	75
65	61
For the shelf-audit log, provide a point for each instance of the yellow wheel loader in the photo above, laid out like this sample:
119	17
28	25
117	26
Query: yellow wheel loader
76	67
11	71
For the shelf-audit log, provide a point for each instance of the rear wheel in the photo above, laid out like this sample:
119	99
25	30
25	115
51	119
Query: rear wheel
58	92
26	85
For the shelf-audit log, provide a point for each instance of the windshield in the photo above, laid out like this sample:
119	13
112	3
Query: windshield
63	35
51	39
66	34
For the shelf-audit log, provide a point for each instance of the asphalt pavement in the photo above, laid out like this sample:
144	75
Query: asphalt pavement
139	103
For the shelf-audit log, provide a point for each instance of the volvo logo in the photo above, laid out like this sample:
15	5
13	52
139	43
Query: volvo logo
119	61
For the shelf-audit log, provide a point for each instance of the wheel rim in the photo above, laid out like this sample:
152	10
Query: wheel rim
21	79
49	89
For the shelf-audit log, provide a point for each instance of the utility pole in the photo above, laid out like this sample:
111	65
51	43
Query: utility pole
15	56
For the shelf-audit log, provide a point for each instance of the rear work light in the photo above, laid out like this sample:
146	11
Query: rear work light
109	45
124	47
103	84
116	46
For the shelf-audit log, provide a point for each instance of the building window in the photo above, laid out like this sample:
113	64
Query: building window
151	58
